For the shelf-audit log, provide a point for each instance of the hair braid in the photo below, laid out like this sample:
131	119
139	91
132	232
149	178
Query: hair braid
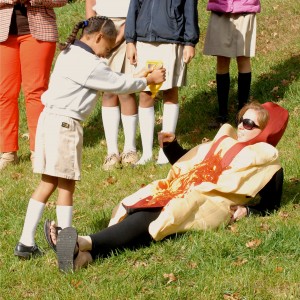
89	26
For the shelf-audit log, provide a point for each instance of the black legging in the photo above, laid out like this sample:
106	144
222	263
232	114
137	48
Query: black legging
129	233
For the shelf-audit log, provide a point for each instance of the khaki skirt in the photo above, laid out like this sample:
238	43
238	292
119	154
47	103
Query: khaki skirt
171	56
117	60
231	35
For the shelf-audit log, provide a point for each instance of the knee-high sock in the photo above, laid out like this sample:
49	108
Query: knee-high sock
129	127
64	216
111	121
34	213
244	84
223	86
146	120
170	118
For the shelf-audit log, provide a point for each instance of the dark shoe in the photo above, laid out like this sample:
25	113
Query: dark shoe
66	249
26	252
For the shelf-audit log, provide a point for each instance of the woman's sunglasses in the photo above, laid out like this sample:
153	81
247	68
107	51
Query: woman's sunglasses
248	124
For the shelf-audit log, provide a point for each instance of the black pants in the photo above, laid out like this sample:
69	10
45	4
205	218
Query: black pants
130	233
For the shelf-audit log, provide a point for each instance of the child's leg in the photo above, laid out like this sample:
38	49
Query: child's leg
146	120
170	117
129	120
64	207
36	207
244	80
223	86
111	122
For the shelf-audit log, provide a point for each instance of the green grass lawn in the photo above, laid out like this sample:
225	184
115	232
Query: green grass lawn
256	258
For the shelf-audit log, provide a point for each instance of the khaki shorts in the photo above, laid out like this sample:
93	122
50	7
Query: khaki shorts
117	60
58	146
172	57
231	35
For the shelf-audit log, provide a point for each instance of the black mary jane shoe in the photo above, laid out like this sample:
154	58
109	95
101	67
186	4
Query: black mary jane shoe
27	252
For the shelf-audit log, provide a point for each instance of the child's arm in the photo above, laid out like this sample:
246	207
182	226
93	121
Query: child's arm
153	76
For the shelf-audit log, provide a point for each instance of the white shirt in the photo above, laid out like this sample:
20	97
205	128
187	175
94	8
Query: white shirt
77	77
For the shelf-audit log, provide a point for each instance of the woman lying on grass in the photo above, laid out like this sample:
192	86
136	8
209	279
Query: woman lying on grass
208	186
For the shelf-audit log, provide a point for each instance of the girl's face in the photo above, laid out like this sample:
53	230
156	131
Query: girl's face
248	127
102	45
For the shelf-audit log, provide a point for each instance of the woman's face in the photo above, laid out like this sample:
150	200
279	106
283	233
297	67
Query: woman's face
250	119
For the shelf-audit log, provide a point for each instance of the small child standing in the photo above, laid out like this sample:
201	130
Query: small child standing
80	72
231	33
165	31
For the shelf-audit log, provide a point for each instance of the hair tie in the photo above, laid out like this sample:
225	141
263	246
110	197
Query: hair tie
85	23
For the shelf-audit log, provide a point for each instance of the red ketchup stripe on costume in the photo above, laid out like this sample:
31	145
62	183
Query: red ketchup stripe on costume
208	170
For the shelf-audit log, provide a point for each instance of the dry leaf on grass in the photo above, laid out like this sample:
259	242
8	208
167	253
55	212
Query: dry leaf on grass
253	244
283	214
232	296
171	277
240	261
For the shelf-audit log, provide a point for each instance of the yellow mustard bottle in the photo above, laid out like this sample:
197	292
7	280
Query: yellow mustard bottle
154	88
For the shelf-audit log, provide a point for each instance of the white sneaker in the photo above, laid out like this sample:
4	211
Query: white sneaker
8	158
129	158
111	161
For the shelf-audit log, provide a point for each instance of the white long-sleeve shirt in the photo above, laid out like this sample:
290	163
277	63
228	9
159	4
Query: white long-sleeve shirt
77	78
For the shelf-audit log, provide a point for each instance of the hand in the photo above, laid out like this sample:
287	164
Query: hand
156	75
165	137
188	53
238	212
131	53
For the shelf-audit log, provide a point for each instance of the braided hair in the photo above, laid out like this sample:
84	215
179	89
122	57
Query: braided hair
91	25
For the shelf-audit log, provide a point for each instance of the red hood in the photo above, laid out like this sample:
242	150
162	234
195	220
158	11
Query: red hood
272	133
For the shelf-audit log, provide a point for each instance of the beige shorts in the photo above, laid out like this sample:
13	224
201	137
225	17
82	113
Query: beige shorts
231	35
172	57
117	60
58	146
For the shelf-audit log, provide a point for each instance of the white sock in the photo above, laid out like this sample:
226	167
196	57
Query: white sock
170	118
146	120
64	216
33	216
111	121
129	127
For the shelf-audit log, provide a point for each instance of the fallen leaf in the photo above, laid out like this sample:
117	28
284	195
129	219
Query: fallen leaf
76	283
16	176
171	277
283	214
264	227
240	261
232	296
233	228
279	269
110	180
253	244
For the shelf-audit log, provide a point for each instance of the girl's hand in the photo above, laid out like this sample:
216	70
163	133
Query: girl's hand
131	53
238	212
165	137
188	53
156	76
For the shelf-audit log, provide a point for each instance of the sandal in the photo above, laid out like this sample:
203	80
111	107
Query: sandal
47	234
67	249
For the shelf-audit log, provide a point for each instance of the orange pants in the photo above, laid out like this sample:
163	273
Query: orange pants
27	62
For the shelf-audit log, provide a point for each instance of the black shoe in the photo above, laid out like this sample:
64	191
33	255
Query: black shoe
26	252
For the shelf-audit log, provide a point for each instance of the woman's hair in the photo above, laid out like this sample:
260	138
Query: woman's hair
262	113
91	25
